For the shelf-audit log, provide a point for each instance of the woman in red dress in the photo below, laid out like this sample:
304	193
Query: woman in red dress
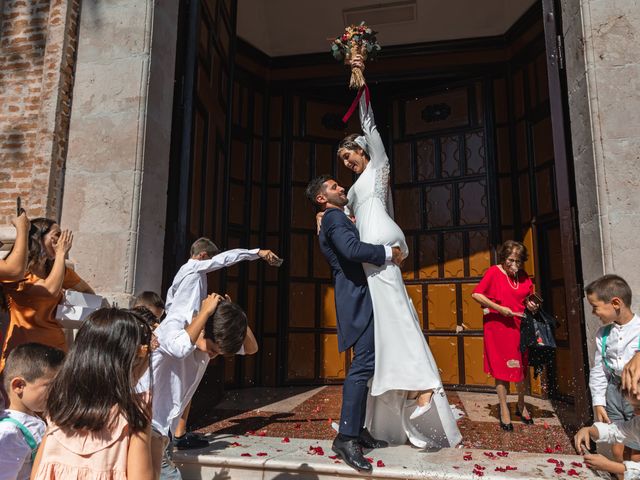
503	293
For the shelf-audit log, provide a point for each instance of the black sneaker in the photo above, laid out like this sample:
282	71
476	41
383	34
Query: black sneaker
190	441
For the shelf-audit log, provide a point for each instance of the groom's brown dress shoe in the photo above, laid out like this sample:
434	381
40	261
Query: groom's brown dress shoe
351	452
367	440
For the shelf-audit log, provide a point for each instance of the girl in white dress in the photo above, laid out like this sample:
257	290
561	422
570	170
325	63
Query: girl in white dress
406	398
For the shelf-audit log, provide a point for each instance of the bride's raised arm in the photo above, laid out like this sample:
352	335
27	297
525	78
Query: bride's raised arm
377	154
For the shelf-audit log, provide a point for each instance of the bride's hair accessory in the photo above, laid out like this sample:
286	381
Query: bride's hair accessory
362	143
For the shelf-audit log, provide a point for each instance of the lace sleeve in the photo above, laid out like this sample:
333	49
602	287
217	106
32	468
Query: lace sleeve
374	141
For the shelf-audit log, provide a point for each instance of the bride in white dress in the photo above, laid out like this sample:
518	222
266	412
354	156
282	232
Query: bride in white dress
406	382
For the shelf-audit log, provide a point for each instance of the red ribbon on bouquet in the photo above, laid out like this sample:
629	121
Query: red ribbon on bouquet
354	104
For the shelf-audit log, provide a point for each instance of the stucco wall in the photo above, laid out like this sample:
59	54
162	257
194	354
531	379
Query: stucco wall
603	73
119	139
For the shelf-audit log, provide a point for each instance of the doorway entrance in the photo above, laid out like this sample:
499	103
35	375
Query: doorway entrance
470	130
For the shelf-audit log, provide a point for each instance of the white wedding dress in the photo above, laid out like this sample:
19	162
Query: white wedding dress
404	361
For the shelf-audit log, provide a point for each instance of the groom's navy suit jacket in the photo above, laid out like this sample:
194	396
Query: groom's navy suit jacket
340	243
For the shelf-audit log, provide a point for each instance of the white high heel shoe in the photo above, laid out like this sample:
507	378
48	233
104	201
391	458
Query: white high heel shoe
421	410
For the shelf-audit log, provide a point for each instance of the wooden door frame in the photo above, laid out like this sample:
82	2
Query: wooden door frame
567	214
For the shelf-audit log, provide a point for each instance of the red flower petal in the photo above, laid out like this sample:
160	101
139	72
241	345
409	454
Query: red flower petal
262	454
502	454
245	454
369	459
235	444
509	467
489	454
548	450
558	447
573	473
576	464
380	464
479	467
500	469
467	458
558	470
285	440
333	457
262	433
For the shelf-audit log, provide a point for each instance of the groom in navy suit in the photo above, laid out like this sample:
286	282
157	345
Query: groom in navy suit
341	245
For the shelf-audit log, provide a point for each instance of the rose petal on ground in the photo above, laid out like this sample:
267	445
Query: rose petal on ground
333	457
576	464
489	454
262	433
467	458
502	454
573	473
509	467
285	440
558	470
235	444
245	454
369	459
380	464
548	450
262	454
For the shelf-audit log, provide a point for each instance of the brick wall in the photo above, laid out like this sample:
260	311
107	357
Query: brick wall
38	40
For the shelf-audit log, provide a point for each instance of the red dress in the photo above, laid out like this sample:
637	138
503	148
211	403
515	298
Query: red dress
502	357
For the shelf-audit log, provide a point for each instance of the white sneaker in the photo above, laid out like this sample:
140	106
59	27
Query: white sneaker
421	410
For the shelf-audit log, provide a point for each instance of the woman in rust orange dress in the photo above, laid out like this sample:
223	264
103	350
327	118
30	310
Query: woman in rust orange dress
503	293
32	301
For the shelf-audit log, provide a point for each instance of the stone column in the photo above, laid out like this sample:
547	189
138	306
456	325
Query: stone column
603	73
119	138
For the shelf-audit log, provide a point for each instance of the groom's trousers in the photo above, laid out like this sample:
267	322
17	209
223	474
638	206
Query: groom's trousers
354	390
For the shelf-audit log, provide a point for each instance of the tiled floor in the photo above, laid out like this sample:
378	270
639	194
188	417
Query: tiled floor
308	413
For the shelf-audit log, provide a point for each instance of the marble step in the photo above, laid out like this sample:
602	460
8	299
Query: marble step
252	457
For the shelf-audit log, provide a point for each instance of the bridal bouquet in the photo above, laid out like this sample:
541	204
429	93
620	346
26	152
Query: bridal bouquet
356	39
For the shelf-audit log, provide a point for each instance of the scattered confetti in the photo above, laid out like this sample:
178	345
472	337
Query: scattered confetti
315	450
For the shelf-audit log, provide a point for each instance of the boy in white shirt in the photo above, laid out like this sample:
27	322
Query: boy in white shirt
625	432
616	343
28	371
188	289
184	298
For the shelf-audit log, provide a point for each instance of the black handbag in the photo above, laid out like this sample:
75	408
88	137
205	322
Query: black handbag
536	338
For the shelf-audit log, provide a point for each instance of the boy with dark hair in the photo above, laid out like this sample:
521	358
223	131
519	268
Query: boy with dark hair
152	302
189	288
616	343
28	371
185	348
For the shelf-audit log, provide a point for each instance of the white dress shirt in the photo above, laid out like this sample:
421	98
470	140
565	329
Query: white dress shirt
622	432
177	366
622	344
189	286
15	454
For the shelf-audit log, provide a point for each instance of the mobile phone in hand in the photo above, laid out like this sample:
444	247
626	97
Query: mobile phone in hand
277	262
19	207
